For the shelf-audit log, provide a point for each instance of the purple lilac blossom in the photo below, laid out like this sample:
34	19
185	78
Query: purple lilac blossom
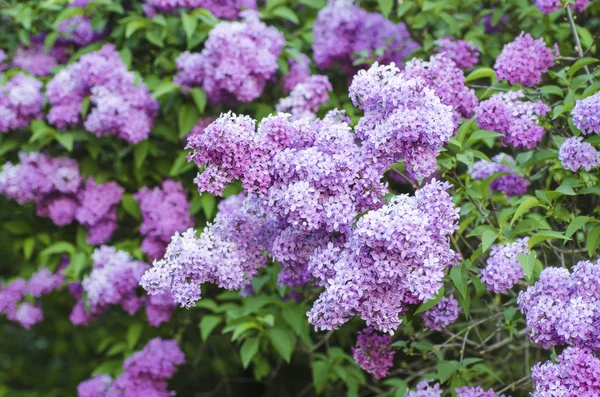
576	373
477	391
503	269
159	308
237	60
463	53
524	60
222	9
343	30
145	373
21	101
165	211
98	210
120	105
562	308
299	72
518	120
35	60
444	313
575	154
404	119
443	76
306	97
424	389
549	6
586	114
512	184
373	353
78	30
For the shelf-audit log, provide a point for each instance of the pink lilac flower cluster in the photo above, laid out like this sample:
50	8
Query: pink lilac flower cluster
373	352
299	72
343	29
524	60
510	183
503	269
306	97
237	60
562	308
575	154
426	389
444	313
36	60
223	9
21	101
447	81
145	373
403	118
549	6
114	279
58	190
518	120
576	373
165	211
12	296
586	114
463	53
120	105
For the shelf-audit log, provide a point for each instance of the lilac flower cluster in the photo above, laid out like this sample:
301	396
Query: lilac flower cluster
21	101
306	97
237	60
463	53
503	269
299	72
476	391
120	105
113	280
35	60
444	313
447	81
373	353
12	296
575	154
549	6
516	119
562	308
403	118
59	192
78	30
425	389
343	29
524	60
164	212
585	114
145	373
223	9
577	373
511	183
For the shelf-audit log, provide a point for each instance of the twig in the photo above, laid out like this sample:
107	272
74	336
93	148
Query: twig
576	36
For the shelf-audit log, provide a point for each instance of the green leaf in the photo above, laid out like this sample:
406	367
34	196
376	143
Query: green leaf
133	26
552	90
283	341
49	41
545	236
18	227
28	246
180	165
487	370
481	73
68	13
207	325
320	372
165	87
593	240
580	64
295	316
431	302
314	4
487	239
445	370
386	7
249	350
527	263
66	140
58	248
189	24
286	13
131	206
482	134
199	97
187	117
140	152
133	335
526	205
576	224
458	277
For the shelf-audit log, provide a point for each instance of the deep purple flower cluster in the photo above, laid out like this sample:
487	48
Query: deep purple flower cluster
444	313
223	9
164	212
447	81
373	353
586	114
517	120
503	269
342	30
510	183
98	209
463	53
35	60
306	97
21	101
524	60
577	373
476	391
120	105
12	296
145	373
78	30
563	308
425	389
237	60
299	72
549	6
575	154
114	279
